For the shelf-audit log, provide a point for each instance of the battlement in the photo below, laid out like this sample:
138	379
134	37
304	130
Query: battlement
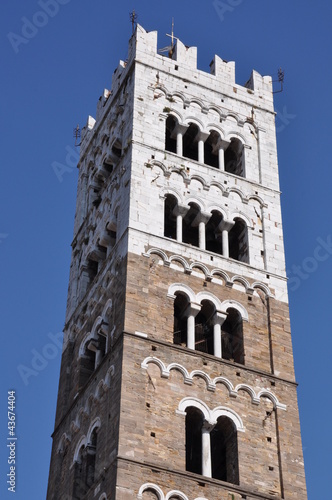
182	63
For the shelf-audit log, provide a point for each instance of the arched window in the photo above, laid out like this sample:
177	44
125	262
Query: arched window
224	451
190	144
213	233
91	458
180	320
170	140
190	231
210	149
194	424
232	337
87	362
169	217
80	487
238	241
204	328
234	158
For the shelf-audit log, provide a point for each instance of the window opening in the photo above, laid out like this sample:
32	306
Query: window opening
194	424
190	232
190	144
180	322
224	451
213	234
238	241
234	158
232	337
169	217
170	139
204	328
210	149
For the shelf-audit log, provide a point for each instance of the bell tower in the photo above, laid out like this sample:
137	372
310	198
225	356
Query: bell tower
177	377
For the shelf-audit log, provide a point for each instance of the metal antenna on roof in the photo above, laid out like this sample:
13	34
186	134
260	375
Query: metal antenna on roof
77	135
281	77
133	18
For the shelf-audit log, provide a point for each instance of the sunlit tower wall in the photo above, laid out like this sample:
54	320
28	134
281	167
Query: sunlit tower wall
177	377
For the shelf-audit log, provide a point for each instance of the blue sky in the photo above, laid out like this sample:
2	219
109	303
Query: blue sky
55	65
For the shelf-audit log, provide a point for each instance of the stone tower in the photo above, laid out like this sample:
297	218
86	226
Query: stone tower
177	378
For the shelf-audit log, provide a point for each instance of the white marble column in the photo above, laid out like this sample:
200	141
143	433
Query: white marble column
201	138
218	320
224	227
190	313
179	132
201	220
180	211
206	448
221	147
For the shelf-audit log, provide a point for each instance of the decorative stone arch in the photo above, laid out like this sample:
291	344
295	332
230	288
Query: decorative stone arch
175	495
233	134
264	393
237	191
180	95
96	424
243	216
222	411
82	442
216	128
171	191
202	267
196	201
182	261
210	297
196	403
153	487
156	361
107	307
249	390
86	338
224	276
200	179
63	443
241	280
226	304
217	208
159	252
197	101
219	186
185	289
261	286
257	198
159	164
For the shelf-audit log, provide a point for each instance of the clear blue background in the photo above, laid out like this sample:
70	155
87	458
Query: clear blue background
50	85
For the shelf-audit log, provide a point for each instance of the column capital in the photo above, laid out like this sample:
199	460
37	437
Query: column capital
180	128
219	318
208	426
226	225
201	217
180	209
202	136
192	310
221	144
